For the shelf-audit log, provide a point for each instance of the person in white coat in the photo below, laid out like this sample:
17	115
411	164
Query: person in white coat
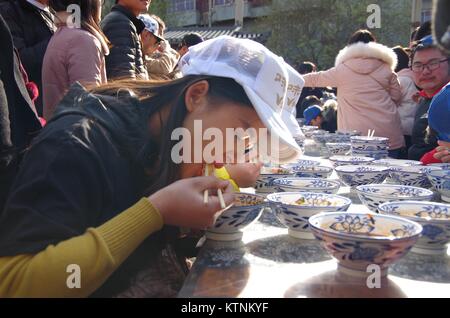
408	105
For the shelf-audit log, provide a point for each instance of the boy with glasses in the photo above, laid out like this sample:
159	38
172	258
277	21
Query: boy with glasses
431	73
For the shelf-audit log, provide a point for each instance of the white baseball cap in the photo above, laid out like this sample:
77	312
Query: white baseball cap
151	25
272	86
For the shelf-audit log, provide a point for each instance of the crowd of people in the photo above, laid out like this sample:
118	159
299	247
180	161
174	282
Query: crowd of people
87	114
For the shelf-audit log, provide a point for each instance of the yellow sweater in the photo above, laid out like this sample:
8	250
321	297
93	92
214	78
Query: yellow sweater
98	253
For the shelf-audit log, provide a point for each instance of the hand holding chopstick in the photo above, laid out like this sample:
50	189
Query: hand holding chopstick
219	191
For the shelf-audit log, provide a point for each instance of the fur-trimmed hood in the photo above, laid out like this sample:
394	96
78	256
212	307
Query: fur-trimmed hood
364	51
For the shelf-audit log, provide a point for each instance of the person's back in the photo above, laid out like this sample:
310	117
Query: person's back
31	28
122	28
368	90
72	55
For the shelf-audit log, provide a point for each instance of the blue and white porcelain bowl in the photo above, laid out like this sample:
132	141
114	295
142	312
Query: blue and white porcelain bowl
264	184
443	166
352	133
434	218
306	185
358	240
247	209
350	160
354	176
339	149
377	155
412	176
361	143
312	171
374	195
294	209
397	163
440	179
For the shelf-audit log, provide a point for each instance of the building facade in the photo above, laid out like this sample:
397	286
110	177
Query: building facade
184	13
421	11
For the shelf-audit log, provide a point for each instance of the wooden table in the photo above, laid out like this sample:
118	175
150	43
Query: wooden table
268	263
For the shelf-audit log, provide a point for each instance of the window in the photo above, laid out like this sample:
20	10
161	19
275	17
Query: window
223	2
426	16
181	5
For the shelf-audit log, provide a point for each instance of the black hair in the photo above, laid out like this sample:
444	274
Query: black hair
306	68
191	39
364	36
423	31
153	97
403	58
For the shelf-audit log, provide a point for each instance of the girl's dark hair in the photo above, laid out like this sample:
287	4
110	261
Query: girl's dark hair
306	68
403	58
364	36
153	97
89	11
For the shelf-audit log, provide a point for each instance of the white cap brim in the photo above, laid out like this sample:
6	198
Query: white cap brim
288	148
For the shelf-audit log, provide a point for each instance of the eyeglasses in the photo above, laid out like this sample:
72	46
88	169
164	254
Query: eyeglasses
431	66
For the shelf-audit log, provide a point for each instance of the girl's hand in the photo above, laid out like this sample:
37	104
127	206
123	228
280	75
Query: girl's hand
181	203
245	174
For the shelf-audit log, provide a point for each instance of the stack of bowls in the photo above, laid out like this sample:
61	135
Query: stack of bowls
373	147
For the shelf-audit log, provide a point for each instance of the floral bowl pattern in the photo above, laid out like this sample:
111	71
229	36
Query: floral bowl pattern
440	179
358	240
434	218
306	185
397	163
354	176
415	176
350	160
339	149
374	195
312	171
246	210
264	184
295	216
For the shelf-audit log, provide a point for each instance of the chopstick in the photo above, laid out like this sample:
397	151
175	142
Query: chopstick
371	133
219	191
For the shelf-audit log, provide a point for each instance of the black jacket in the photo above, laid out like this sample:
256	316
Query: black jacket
31	29
125	59
18	118
79	173
422	142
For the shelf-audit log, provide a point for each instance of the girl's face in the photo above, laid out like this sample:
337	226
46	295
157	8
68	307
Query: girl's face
211	119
